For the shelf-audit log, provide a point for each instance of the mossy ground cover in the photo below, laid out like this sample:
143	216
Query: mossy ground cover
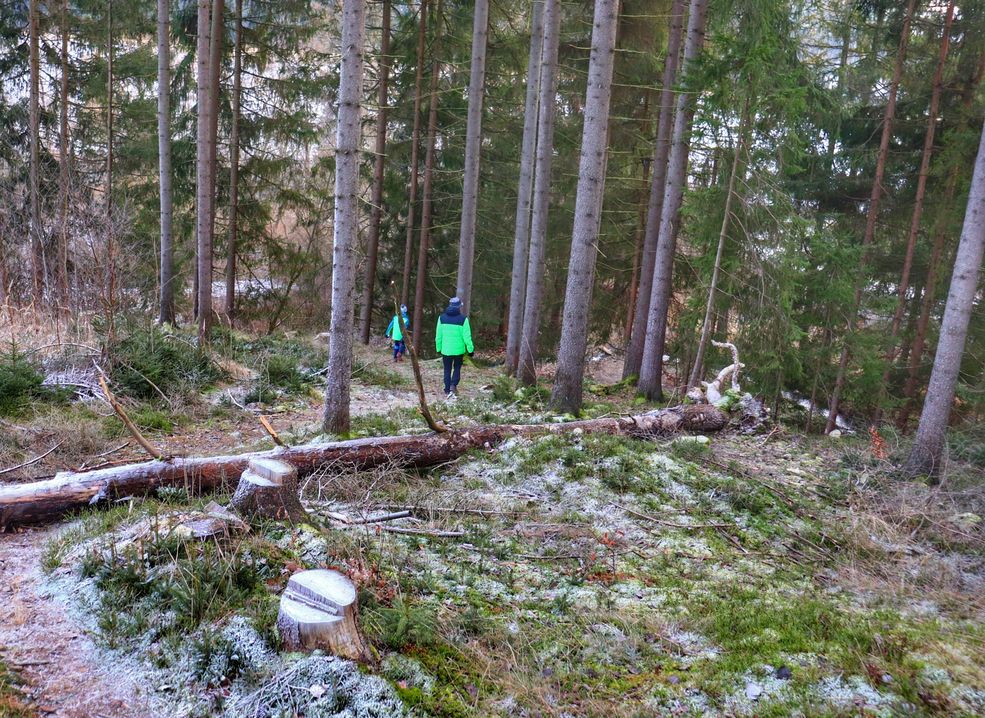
596	575
12	702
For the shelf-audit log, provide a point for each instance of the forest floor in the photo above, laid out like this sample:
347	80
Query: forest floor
766	574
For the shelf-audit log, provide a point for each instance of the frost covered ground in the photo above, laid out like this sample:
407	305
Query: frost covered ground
769	574
594	576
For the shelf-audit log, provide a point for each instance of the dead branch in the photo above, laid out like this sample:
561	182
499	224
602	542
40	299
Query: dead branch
671	524
127	422
421	532
421	398
35	460
265	423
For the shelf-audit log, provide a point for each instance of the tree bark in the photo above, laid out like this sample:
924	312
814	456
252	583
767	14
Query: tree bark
216	37
234	165
376	213
568	381
269	489
473	146
427	208
542	193
339	376
166	309
934	269
873	213
740	150
641	204
521	230
34	118
661	152
48	499
110	307
651	367
415	145
203	218
918	204
64	160
928	445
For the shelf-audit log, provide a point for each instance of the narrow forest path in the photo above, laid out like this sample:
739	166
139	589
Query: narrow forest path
65	672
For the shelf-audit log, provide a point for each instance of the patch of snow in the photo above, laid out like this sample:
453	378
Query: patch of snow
854	693
320	687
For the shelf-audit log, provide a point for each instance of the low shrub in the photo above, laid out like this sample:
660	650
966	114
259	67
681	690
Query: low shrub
145	359
20	382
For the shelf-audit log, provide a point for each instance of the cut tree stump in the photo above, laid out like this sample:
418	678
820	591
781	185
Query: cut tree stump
269	489
47	500
318	611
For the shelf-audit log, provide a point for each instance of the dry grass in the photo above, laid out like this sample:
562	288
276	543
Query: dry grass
33	330
905	539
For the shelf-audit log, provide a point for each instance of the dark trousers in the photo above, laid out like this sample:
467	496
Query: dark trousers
453	371
398	348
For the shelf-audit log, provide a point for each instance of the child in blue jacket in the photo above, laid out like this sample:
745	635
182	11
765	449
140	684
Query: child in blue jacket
394	333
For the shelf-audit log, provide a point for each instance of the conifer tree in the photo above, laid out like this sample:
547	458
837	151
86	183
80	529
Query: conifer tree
650	380
473	145
568	382
346	237
928	445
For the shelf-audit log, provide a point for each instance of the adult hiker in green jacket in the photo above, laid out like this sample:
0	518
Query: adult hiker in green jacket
396	335
453	340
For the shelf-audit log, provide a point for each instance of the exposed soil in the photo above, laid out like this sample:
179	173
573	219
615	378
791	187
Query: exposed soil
53	654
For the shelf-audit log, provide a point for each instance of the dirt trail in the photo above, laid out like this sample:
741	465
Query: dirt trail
66	674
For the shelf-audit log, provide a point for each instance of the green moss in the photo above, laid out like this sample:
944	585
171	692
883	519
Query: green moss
12	703
377	375
391	423
151	419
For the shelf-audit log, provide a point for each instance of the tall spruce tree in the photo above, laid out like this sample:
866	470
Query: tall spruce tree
346	237
568	381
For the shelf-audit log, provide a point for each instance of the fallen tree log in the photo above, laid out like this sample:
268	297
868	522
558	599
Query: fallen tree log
48	499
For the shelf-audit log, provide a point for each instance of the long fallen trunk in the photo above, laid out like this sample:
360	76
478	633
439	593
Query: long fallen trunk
47	500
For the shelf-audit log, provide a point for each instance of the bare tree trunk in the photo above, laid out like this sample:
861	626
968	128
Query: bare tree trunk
918	203
428	199
376	213
641	207
422	31
110	238
740	150
65	154
346	239
217	35
473	145
634	278
234	165
873	212
661	152
203	217
568	381
934	269
928	445
34	112
166	315
542	193
521	230
651	367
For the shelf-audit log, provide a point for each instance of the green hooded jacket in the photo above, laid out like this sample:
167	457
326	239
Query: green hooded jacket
453	336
